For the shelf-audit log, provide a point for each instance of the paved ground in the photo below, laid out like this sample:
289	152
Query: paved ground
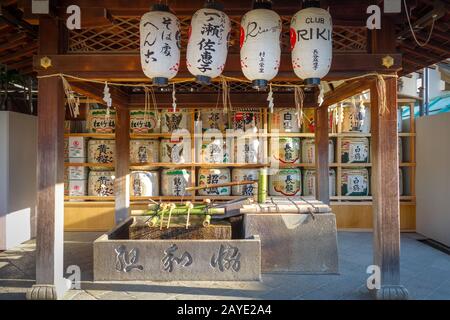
425	273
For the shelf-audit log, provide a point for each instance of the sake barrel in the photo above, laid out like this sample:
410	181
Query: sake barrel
214	176
175	150
144	151
246	120
356	119
285	120
309	182
245	175
66	181
77	173
355	150
287	182
309	151
101	151
248	150
66	149
77	188
355	182
400	150
172	121
98	121
77	149
215	119
144	183
174	182
101	183
288	150
214	150
144	122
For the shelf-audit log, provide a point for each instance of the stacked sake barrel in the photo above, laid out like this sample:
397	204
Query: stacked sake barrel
150	180
290	153
101	152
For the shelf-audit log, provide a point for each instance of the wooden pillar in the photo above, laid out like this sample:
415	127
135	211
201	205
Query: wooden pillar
50	283
322	164
385	191
385	175
122	163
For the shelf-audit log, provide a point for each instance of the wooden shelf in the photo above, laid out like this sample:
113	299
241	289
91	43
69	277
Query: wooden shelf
84	164
157	135
91	135
88	198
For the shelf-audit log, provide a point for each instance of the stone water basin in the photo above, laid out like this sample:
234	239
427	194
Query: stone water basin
119	258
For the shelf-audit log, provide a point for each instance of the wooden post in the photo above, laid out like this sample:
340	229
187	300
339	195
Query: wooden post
122	162
322	164
50	283
385	190
385	173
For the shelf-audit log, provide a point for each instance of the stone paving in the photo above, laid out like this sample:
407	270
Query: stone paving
425	272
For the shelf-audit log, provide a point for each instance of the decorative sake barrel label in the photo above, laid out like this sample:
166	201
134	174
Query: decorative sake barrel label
355	182
144	151
309	151
356	119
101	151
214	176
288	150
77	173
285	120
213	120
214	151
246	121
175	182
172	121
175	151
245	175
248	150
101	183
355	150
144	183
77	147
99	122
144	122
77	188
309	183
286	183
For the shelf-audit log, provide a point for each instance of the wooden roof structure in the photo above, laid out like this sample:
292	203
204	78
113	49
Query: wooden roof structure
109	27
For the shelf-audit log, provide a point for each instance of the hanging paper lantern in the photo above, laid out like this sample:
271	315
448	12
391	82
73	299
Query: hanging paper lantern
208	43
160	44
260	44
311	43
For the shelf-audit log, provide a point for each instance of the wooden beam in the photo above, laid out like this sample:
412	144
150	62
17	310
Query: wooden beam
346	91
13	41
355	12
95	92
122	181
322	163
208	100
128	66
24	51
50	282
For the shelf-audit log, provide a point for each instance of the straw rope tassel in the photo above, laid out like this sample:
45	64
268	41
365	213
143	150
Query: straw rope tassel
381	91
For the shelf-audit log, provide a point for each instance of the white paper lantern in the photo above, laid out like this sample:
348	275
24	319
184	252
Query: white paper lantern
311	43
160	44
260	44
208	43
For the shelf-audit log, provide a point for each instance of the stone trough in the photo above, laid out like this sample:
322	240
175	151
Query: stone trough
116	258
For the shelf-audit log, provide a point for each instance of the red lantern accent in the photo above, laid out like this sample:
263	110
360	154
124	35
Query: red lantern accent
293	38
241	38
